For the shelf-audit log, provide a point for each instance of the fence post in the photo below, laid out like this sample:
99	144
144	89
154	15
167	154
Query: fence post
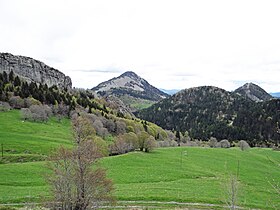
2	149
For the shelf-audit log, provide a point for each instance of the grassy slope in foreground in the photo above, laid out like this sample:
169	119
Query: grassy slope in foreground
198	177
167	174
24	139
162	176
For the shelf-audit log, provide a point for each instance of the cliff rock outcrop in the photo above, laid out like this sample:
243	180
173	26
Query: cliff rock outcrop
33	70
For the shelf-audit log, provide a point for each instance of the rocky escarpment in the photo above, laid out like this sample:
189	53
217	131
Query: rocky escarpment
33	70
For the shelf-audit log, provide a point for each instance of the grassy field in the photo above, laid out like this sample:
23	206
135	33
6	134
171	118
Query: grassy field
196	175
23	140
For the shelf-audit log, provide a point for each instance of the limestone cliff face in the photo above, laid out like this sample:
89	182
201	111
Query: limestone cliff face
33	70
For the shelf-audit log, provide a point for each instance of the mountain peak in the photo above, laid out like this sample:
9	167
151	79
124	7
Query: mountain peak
251	85
253	92
130	74
130	88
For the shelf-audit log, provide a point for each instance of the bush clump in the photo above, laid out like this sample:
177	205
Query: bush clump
223	144
243	145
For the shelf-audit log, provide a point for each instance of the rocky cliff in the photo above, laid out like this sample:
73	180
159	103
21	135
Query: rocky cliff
33	70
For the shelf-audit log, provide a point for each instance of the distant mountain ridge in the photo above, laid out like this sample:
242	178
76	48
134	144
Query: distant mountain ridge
170	92
33	70
129	81
131	89
253	92
276	95
209	111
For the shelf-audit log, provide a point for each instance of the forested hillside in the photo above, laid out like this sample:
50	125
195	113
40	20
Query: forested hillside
213	112
120	131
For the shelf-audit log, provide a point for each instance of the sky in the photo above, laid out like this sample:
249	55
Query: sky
173	44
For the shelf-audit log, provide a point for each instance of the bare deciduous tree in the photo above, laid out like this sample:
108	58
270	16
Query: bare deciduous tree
120	127
60	111
82	127
170	135
110	125
146	142
120	146
150	144
142	137
100	130
231	192
39	113
75	185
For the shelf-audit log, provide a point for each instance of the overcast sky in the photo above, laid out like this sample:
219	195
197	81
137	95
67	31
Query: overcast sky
172	44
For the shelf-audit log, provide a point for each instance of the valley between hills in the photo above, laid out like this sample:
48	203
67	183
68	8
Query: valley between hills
201	148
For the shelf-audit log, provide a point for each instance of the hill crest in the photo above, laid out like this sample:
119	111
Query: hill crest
253	92
131	89
207	111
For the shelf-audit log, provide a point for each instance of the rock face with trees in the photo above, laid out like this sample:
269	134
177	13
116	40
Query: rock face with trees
39	102
32	70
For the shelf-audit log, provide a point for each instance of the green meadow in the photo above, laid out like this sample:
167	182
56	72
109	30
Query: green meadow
182	174
23	137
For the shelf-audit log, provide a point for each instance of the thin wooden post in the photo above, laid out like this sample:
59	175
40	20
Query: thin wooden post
2	149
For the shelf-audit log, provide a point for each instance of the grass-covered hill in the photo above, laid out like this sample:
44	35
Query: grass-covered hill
25	141
186	174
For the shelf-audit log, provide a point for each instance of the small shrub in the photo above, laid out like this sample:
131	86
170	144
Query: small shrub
150	144
4	106
243	145
16	102
167	143
212	142
223	144
191	143
36	113
28	102
120	127
120	146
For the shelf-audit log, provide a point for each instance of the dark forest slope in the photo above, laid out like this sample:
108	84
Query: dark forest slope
210	111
